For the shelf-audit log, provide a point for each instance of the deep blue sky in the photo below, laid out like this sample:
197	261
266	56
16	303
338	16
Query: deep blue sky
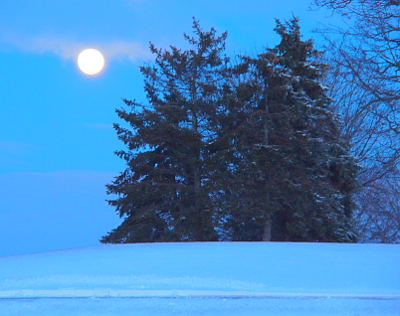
56	136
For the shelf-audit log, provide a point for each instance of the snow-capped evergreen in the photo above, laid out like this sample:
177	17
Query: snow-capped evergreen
295	178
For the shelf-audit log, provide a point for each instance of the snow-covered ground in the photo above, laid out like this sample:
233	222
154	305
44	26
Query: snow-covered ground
204	279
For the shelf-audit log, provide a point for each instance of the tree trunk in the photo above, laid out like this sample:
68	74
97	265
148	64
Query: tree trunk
268	221
267	228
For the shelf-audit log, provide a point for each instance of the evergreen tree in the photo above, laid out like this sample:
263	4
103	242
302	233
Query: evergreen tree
292	176
162	195
250	152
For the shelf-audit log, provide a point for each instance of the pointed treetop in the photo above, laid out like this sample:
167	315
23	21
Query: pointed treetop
291	47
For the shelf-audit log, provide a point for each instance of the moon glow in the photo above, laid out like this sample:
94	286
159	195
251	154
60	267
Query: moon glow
90	61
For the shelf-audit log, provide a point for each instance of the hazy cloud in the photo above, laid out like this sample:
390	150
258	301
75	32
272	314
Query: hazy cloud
14	155
18	148
99	126
54	210
69	48
64	181
121	49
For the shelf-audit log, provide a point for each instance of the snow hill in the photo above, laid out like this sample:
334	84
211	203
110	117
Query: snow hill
204	279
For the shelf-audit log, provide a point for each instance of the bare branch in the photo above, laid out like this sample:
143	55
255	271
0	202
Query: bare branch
364	81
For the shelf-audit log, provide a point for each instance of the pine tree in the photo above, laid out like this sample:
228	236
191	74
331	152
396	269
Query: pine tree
163	194
292	176
245	152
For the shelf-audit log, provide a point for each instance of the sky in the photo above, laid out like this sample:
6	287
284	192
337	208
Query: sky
56	138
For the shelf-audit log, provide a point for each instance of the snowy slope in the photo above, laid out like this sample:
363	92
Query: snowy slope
309	276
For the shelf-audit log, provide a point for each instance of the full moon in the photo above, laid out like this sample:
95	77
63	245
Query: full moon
90	61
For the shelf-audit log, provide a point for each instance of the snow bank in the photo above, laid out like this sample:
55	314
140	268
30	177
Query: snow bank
169	269
181	278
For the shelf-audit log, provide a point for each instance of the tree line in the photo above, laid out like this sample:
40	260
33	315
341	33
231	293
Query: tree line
241	150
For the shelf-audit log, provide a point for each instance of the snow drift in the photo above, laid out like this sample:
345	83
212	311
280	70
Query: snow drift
208	273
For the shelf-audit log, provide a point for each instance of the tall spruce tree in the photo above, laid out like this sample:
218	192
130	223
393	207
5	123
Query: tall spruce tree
162	195
250	152
291	174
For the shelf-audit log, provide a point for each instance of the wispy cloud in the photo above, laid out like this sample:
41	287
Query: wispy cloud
136	1
15	154
99	126
78	181
69	48
122	49
17	148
